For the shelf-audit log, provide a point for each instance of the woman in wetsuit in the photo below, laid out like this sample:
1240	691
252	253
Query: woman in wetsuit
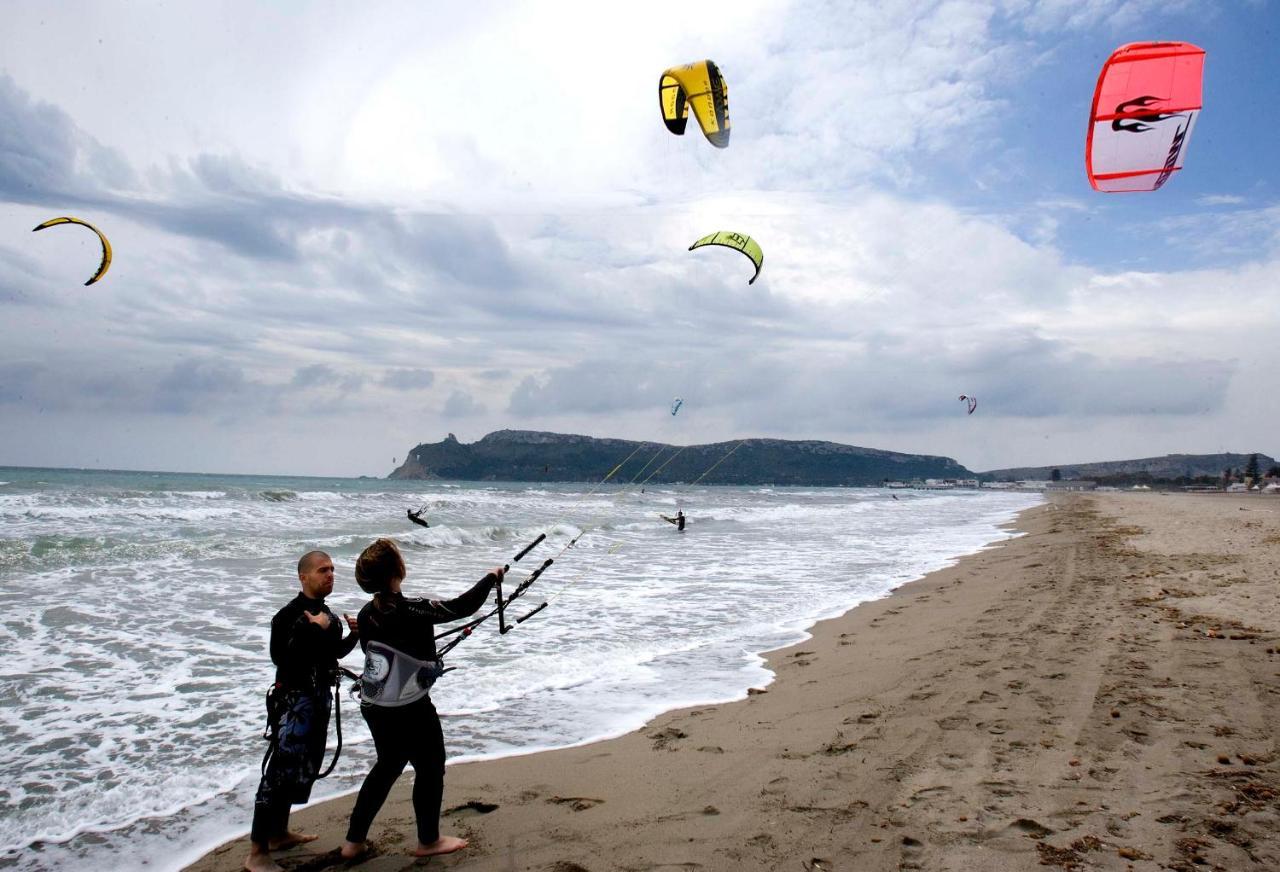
405	733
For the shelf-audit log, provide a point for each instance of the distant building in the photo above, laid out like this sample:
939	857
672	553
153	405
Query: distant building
1079	485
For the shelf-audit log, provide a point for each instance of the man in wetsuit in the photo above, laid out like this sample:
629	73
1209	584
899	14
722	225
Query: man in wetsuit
678	520
306	642
416	517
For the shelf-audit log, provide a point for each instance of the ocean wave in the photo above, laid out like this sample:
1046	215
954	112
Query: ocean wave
277	496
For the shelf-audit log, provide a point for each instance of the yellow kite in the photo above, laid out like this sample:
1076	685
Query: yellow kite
106	246
700	87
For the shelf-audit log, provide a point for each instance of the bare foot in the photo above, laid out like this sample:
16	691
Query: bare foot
354	850
260	861
289	839
442	845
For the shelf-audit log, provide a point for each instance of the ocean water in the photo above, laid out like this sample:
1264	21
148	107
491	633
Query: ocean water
134	613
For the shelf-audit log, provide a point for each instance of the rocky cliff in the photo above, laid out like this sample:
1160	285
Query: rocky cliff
525	455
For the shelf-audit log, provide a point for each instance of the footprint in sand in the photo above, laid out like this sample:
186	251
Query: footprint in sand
926	793
664	739
837	746
864	718
911	853
566	866
472	806
577	803
1027	827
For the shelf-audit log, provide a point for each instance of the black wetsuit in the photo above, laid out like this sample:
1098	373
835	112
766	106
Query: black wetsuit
416	517
306	657
680	523
410	733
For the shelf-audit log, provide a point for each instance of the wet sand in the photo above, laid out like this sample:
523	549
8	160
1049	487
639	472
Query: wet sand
1100	693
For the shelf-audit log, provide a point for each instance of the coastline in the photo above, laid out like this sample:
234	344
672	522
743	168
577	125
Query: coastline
974	718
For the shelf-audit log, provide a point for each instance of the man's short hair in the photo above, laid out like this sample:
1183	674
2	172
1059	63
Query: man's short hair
305	561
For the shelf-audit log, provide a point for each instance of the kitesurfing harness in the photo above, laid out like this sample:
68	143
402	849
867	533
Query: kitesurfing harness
277	702
392	678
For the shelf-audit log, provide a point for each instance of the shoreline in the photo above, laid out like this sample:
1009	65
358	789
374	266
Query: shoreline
199	857
759	660
1045	701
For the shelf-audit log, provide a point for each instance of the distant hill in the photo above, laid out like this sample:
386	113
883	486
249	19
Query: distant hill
526	455
1170	467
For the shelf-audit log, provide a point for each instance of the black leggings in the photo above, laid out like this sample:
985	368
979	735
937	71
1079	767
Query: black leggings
409	734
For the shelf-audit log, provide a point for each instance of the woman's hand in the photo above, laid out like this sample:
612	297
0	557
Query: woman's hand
352	624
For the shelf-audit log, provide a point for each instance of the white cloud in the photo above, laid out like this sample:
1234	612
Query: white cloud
1220	200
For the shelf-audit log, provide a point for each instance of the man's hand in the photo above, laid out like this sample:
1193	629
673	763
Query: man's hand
322	619
352	624
498	571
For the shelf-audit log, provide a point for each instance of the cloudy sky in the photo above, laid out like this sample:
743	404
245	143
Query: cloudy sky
343	229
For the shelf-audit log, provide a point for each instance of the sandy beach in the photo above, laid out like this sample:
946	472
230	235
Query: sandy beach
1097	694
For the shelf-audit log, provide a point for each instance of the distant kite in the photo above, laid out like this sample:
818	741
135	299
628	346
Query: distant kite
675	406
738	242
1146	102
700	87
971	401
106	246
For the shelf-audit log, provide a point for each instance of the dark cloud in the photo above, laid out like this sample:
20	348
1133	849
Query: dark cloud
37	147
598	386
193	384
188	386
19	380
461	405
45	157
408	379
316	375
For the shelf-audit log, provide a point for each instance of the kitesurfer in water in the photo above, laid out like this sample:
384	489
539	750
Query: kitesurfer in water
408	733
416	517
678	520
306	643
